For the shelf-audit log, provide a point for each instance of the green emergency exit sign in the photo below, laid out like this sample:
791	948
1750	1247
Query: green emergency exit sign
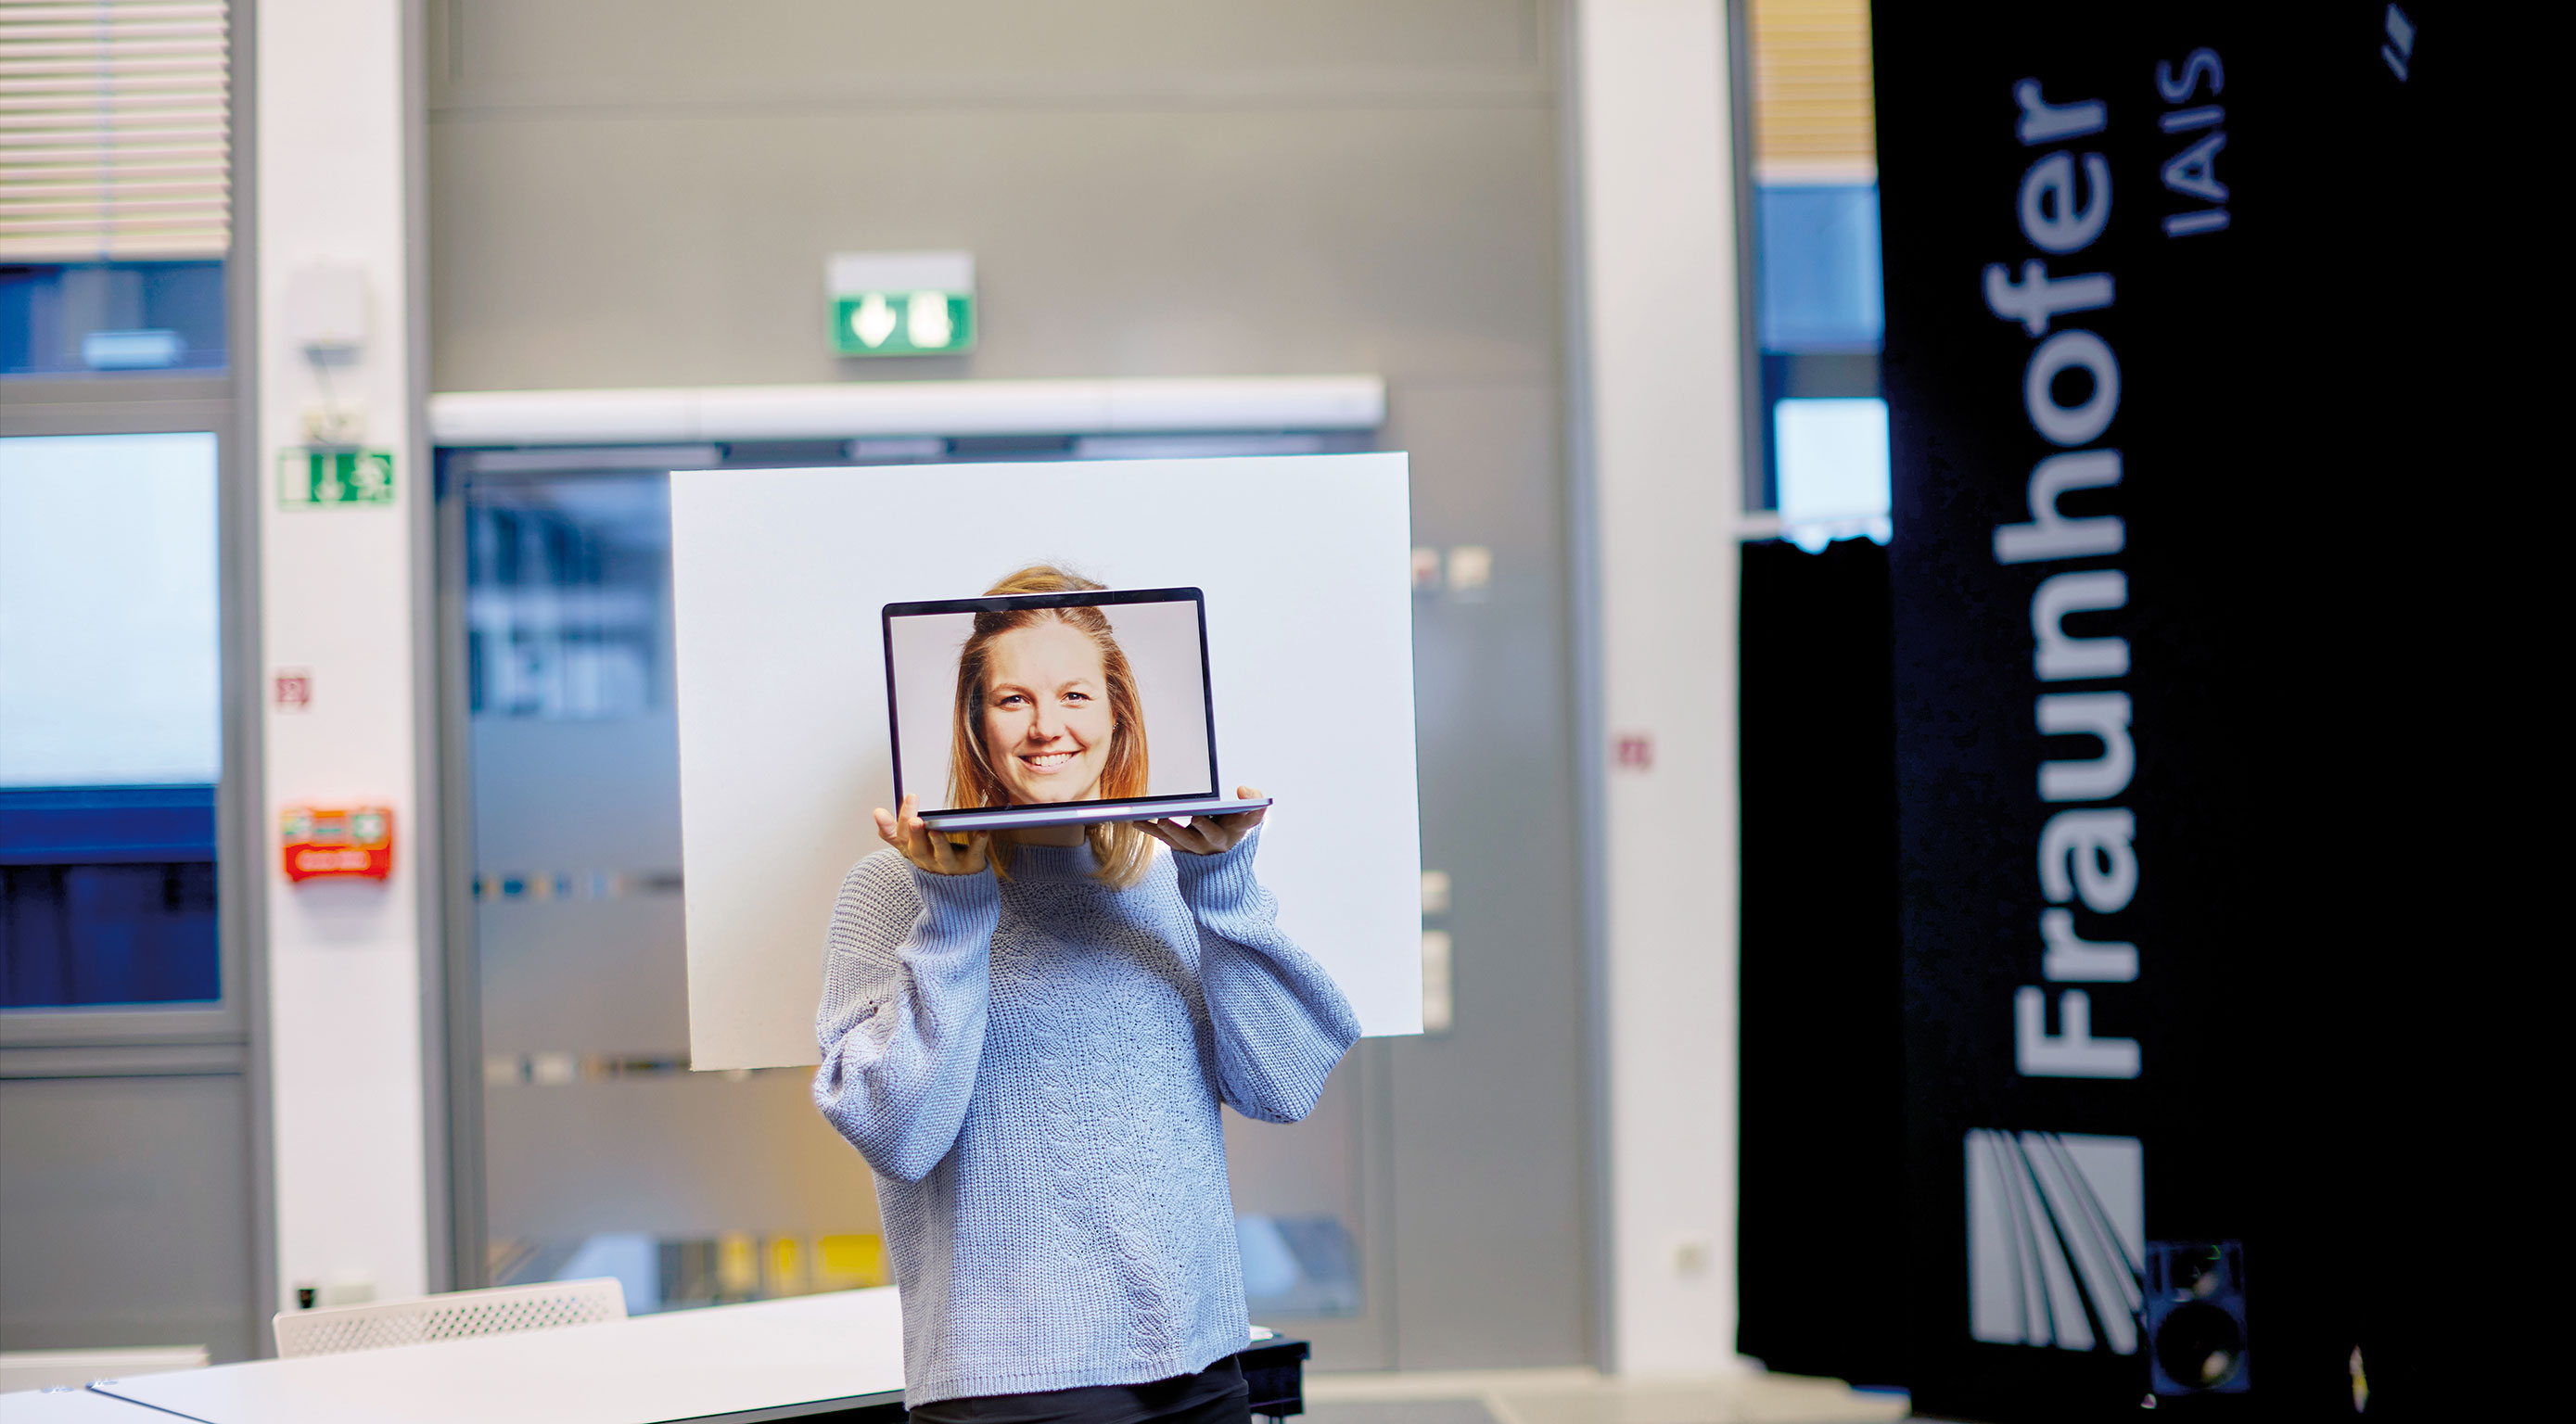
311	479
902	303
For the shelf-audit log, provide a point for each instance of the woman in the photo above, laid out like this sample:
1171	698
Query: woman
1028	1034
1047	711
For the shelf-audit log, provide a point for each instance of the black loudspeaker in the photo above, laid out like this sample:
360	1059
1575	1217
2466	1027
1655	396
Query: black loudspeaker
2194	1315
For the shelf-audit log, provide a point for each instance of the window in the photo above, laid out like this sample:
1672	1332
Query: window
94	318
1816	271
111	720
115	186
126	904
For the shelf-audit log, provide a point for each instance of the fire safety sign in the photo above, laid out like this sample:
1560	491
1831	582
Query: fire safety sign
354	842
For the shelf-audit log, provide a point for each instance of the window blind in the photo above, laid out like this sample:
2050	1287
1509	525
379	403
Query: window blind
1814	117
115	130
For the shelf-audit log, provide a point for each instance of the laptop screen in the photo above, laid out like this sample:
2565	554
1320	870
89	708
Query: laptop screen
1043	699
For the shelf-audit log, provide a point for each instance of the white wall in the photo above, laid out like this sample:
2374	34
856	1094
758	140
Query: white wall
344	968
1658	278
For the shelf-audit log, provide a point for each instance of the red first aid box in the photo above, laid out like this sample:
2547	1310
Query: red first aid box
344	842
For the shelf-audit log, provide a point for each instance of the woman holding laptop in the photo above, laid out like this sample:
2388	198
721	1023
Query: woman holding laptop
1028	1033
1047	711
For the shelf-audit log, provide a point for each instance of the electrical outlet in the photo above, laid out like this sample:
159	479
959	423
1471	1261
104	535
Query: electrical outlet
1693	1255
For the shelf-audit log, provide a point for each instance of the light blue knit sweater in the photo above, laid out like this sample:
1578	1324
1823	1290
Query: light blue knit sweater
1033	1068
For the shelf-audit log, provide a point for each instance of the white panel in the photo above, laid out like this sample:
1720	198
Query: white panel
907	408
781	690
110	664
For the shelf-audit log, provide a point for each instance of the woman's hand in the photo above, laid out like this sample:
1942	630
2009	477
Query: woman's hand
940	853
1209	835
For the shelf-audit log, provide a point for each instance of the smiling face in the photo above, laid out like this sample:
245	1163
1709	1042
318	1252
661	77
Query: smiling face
1047	720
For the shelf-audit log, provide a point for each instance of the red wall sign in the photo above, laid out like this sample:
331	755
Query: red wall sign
342	842
1634	751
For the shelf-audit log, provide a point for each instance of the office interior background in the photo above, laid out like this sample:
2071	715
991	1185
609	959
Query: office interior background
345	352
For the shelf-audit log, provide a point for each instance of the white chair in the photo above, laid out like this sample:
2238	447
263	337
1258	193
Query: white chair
335	1329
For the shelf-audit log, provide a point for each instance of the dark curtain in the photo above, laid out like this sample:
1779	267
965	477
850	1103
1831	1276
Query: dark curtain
1819	1235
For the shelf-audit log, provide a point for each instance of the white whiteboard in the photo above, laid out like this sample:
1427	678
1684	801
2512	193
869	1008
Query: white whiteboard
778	580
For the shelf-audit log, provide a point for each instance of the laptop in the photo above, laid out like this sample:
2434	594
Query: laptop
1054	709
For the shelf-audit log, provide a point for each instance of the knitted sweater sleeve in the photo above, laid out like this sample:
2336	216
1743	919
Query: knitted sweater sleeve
1281	1023
906	985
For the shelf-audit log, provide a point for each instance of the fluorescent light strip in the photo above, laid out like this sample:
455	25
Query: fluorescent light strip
918	408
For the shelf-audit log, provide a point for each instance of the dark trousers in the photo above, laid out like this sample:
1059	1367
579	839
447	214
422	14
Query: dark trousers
1215	1395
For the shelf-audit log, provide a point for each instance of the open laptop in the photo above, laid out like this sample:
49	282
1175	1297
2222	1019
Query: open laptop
1054	709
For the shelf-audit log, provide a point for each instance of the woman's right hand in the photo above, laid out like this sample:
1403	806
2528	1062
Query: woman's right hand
940	853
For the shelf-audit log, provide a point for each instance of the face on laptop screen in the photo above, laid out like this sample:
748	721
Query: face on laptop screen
1020	705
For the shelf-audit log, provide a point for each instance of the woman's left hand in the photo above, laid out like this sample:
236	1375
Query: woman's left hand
1209	835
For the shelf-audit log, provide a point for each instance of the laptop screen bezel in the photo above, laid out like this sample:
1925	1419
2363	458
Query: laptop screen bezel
1088	598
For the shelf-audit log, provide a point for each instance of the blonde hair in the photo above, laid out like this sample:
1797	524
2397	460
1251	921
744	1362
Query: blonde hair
1122	850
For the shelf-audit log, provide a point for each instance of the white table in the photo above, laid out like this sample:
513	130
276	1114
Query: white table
770	1360
72	1406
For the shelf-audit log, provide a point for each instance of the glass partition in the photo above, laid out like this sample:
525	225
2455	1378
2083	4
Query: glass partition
601	1152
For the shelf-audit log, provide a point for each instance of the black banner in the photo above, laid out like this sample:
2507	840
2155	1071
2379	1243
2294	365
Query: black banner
2157	347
